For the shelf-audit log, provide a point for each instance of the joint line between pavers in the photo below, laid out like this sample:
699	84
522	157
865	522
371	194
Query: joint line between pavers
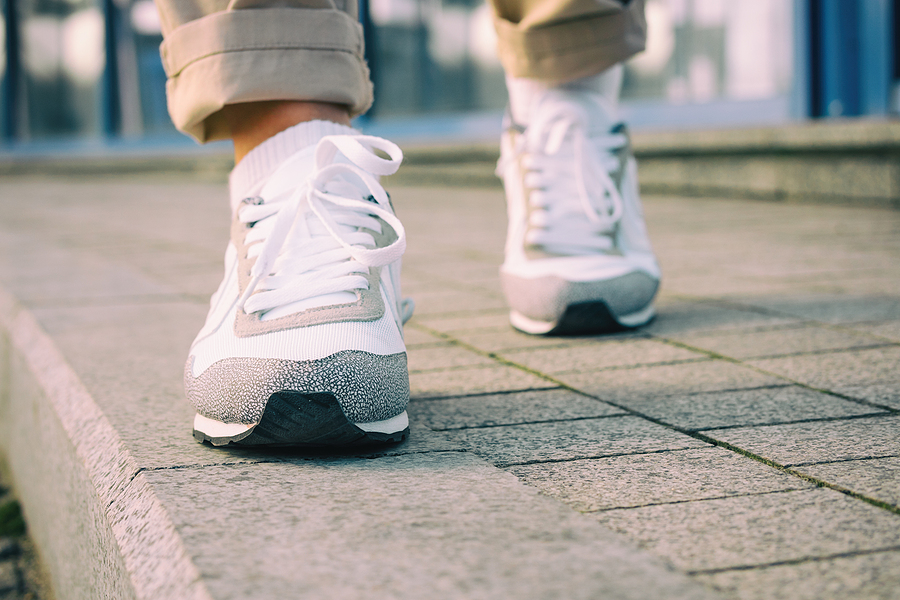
479	394
205	465
798	421
495	425
793	561
725	497
505	465
694	434
844	460
735	361
664	363
823	351
815	480
802	321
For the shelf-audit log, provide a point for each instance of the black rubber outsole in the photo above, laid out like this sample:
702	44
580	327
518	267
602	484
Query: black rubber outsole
588	318
298	419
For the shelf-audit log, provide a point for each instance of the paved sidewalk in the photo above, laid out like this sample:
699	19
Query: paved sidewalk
749	437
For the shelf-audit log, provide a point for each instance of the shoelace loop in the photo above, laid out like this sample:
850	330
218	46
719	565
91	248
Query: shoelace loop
330	254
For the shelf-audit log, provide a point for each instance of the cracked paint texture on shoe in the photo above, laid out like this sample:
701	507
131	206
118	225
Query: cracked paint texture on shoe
368	387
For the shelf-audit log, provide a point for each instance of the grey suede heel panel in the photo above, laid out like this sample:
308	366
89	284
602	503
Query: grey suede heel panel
369	387
545	298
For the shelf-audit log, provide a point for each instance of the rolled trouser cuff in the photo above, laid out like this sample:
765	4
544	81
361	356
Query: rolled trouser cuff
571	49
255	55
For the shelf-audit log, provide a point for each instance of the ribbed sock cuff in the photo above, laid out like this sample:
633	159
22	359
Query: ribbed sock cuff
262	161
601	89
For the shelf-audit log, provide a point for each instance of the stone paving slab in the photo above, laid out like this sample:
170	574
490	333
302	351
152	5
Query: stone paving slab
838	368
758	406
873	576
843	308
885	393
376	529
474	380
444	356
508	409
622	385
603	355
762	529
678	316
809	443
567	440
885	329
749	280
664	477
781	341
877	478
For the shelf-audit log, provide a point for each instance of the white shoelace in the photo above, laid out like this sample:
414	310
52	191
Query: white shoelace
310	242
568	175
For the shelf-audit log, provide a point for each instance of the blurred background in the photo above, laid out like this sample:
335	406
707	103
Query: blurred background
89	70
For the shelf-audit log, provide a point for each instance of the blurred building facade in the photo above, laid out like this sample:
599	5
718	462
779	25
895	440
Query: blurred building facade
90	69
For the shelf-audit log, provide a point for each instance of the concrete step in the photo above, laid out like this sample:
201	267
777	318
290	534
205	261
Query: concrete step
744	444
104	285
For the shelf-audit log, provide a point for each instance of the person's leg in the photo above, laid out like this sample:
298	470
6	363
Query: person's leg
578	259
303	342
252	123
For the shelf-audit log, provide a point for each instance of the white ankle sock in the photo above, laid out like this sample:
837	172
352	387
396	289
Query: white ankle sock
599	92
260	162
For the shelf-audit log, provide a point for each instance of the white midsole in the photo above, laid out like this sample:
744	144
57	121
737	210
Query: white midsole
217	429
535	327
392	425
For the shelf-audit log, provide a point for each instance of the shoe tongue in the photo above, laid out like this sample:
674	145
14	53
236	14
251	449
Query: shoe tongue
290	174
591	110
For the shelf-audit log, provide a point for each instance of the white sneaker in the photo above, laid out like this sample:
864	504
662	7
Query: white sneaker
578	259
303	344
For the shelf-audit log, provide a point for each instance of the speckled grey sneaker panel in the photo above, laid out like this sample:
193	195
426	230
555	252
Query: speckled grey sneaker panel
369	387
545	298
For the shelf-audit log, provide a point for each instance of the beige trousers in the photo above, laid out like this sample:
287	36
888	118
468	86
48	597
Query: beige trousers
219	52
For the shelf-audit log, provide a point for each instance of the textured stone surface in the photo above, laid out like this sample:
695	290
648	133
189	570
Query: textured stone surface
443	357
785	340
828	371
884	393
642	479
568	440
508	409
409	527
890	330
121	274
602	355
505	338
877	478
667	380
758	406
862	577
475	321
834	308
475	380
756	530
678	317
803	443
